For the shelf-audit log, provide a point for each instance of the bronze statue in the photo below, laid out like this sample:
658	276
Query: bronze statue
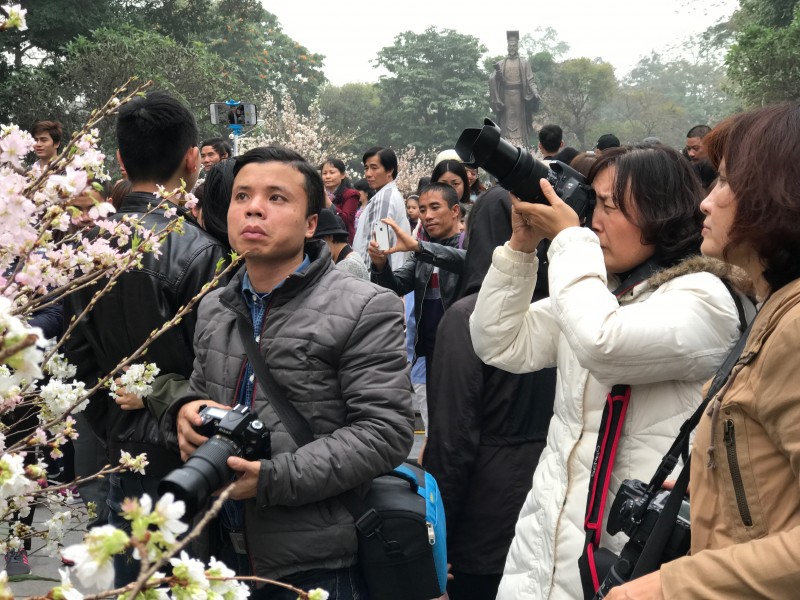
513	94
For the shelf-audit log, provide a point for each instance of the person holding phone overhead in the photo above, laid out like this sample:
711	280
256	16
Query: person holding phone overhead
433	272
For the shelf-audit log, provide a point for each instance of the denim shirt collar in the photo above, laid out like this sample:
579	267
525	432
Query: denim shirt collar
251	296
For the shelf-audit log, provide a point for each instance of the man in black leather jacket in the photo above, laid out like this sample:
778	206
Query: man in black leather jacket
434	290
157	139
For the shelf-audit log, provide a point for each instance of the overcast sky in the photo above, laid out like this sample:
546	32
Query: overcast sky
351	32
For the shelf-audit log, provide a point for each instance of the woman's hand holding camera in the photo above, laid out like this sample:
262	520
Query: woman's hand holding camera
531	223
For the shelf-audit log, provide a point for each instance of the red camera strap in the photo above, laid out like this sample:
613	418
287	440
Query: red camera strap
600	478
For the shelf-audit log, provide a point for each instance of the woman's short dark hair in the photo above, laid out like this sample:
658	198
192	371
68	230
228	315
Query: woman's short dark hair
456	168
761	151
314	188
667	194
216	199
121	189
362	186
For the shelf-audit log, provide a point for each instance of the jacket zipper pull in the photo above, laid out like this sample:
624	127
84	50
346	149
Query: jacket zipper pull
431	534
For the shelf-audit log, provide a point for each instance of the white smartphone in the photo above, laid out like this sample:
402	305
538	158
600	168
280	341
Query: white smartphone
381	234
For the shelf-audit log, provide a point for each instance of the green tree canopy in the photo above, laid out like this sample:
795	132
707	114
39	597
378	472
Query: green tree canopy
580	88
764	62
435	87
354	109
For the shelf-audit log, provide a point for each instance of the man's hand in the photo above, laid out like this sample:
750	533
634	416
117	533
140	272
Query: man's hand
644	588
404	242
246	485
376	256
188	419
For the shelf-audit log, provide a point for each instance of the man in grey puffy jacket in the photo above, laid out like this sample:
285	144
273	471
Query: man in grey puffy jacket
334	346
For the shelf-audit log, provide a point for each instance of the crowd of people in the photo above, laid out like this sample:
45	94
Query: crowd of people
550	360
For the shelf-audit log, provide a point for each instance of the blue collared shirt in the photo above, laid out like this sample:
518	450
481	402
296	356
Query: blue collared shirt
257	303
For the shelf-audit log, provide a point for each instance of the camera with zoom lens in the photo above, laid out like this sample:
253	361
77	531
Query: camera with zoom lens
234	432
519	172
635	512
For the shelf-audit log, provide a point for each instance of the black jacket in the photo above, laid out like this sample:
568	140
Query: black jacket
415	274
141	301
487	427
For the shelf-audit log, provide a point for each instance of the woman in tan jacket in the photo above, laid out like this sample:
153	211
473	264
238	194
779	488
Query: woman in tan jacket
745	473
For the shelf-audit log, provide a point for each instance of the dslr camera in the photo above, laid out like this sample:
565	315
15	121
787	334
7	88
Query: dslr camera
235	432
519	172
635	512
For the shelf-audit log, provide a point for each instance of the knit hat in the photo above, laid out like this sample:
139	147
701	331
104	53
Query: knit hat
607	140
329	223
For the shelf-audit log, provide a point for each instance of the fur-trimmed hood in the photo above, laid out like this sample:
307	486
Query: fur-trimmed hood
735	276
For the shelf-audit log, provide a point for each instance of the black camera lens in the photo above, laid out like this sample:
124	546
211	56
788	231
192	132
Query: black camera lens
514	168
519	172
205	472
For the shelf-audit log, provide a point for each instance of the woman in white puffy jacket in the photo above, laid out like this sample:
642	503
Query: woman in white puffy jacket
631	302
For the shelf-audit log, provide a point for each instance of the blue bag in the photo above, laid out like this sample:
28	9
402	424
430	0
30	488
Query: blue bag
402	537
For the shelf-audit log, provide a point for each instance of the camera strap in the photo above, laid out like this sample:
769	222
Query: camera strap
296	425
650	558
605	452
595	562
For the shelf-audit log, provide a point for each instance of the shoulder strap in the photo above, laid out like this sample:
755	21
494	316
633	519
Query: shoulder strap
367	521
649	560
599	481
294	422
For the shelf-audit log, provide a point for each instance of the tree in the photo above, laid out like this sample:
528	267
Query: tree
282	124
95	66
50	27
435	87
252	43
580	88
695	82
354	110
764	62
239	47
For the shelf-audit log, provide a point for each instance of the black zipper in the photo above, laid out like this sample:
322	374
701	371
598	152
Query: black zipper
736	475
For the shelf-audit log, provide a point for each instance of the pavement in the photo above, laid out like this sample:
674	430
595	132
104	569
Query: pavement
44	569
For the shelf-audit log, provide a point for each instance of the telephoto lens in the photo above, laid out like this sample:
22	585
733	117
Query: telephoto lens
235	432
519	172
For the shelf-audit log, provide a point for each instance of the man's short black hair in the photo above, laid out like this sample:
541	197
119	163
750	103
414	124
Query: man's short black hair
447	191
220	146
315	190
550	137
386	156
154	132
699	131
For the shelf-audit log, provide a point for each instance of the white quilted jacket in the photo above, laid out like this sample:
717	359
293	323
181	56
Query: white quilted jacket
664	341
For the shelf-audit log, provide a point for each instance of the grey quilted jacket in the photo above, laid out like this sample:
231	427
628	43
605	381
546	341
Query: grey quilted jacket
335	345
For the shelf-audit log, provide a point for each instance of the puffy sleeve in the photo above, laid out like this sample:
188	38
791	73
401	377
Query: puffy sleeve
508	331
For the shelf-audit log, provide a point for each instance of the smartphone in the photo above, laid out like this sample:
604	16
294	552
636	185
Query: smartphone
381	235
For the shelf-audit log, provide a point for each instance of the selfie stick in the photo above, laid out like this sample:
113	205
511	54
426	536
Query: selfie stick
236	128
